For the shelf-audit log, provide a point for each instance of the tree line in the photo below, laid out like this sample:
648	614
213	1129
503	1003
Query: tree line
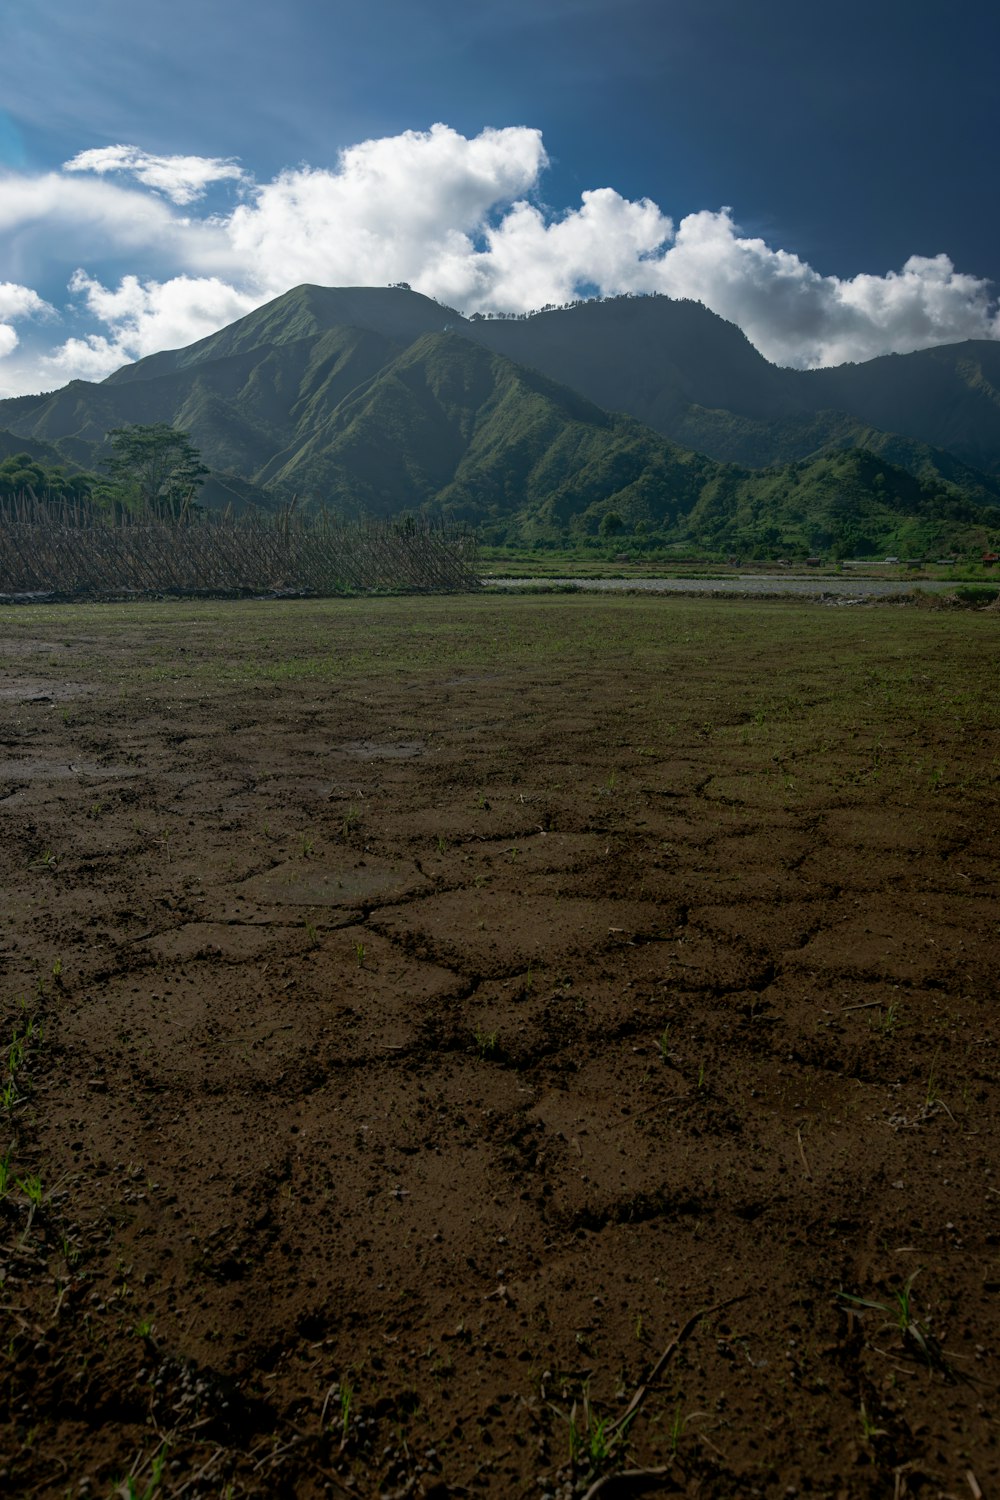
148	469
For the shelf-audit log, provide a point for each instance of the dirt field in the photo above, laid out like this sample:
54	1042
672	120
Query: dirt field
478	1047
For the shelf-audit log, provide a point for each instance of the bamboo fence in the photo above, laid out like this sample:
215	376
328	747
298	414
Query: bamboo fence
62	551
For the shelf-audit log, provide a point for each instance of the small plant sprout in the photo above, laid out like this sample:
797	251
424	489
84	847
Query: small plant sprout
592	1438
869	1428
57	970
486	1042
128	1490
887	1021
311	937
352	818
346	1397
4	1175
899	1314
31	1187
15	1054
665	1043
441	845
307	846
701	1076
679	1422
359	954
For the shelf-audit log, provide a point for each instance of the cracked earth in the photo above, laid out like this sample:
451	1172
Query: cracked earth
489	1046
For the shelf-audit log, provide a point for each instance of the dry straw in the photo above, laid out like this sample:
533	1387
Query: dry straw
63	551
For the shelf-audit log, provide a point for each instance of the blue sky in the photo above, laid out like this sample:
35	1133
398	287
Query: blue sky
821	176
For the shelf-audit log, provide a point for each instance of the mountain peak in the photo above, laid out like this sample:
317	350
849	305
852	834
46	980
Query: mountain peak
396	313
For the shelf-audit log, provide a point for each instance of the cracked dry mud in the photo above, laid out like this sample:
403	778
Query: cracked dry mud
417	1011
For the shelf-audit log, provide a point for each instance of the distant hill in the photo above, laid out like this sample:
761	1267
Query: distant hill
11	445
658	359
380	401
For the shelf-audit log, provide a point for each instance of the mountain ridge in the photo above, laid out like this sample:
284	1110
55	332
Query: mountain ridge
412	406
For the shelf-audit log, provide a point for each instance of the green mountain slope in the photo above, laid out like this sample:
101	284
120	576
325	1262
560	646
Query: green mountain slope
949	397
452	429
850	502
649	356
305	312
376	400
759	445
657	359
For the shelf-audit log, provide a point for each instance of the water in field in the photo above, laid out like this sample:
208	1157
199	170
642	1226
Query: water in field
744	585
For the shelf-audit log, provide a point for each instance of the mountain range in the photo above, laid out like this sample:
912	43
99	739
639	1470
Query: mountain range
644	415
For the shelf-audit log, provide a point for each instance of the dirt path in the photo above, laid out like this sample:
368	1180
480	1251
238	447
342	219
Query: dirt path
417	1012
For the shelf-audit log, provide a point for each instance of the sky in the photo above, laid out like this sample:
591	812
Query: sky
821	175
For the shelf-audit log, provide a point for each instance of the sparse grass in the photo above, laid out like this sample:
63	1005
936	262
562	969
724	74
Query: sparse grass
128	1488
32	1189
594	1439
486	1042
899	1314
888	1021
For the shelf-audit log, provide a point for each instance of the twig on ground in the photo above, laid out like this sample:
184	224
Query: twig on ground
661	1364
629	1482
802	1153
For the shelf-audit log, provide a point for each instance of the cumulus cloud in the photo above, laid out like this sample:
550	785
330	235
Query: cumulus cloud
143	318
456	219
408	207
797	316
459	218
17	302
182	179
21	302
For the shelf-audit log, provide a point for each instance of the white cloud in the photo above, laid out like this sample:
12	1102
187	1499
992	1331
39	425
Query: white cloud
17	302
408	207
796	316
21	302
51	222
458	218
143	318
182	179
453	217
606	243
